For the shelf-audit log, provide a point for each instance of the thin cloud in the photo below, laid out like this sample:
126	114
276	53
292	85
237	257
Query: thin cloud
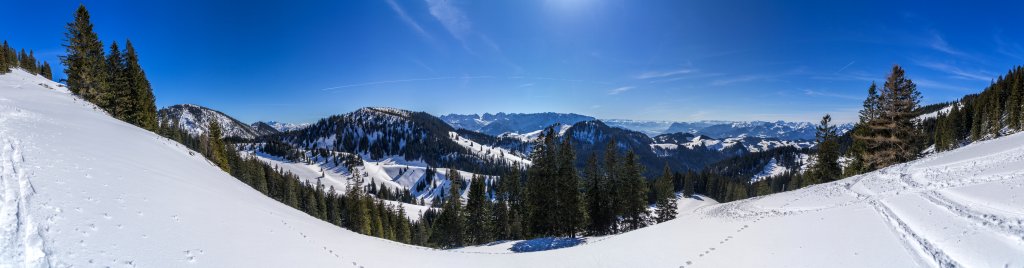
661	74
931	84
617	91
747	78
1008	49
938	43
408	20
809	92
451	17
398	81
955	71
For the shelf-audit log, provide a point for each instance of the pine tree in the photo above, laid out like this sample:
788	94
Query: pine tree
541	186
218	153
119	96
86	73
143	104
598	204
826	167
449	230
46	71
569	201
5	63
634	192
890	134
666	197
477	227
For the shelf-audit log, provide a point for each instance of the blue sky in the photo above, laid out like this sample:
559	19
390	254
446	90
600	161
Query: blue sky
298	61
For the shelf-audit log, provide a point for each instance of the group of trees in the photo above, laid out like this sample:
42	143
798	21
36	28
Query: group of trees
116	82
10	58
356	210
887	131
996	111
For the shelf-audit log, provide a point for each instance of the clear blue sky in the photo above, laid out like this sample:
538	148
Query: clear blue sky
297	61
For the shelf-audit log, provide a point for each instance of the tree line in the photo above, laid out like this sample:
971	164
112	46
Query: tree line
116	82
10	58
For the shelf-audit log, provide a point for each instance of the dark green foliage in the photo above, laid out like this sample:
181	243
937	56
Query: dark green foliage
826	167
889	134
449	228
84	59
553	189
665	197
46	71
217	150
141	103
478	223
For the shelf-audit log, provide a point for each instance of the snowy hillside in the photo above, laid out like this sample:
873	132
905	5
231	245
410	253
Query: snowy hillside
282	127
79	188
196	120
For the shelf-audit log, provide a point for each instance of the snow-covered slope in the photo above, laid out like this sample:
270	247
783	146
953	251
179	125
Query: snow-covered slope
196	120
80	188
282	127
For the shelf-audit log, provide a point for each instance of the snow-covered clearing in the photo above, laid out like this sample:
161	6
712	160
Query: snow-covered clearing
83	189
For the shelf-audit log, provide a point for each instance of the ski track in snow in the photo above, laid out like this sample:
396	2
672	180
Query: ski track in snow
22	236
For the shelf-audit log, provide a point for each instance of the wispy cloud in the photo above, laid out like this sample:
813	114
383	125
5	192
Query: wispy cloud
618	90
746	78
451	17
399	81
931	84
809	92
956	72
938	43
408	20
660	74
1008	48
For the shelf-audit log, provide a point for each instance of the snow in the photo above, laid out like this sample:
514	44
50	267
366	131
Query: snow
486	152
80	188
944	110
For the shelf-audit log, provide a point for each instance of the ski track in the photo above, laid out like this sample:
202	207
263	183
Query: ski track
22	236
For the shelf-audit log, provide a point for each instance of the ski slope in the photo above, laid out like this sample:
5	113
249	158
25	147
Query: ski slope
79	188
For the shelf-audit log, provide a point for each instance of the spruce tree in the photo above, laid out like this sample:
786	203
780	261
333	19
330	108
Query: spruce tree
666	197
142	110
889	138
119	96
689	182
449	230
599	211
84	60
826	166
218	153
569	201
477	227
634	192
46	71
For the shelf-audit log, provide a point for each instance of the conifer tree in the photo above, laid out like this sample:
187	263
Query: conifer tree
666	197
5	63
46	71
688	184
476	212
218	153
635	193
143	103
889	138
84	60
826	166
599	209
119	96
449	228
570	217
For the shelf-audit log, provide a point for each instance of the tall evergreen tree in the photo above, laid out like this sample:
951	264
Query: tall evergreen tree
46	71
449	228
890	135
119	96
665	196
477	223
600	214
143	104
826	166
635	192
218	152
84	60
569	201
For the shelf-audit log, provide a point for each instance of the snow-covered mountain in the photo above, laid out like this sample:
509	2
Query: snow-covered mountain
283	127
196	120
651	128
514	123
80	188
782	130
